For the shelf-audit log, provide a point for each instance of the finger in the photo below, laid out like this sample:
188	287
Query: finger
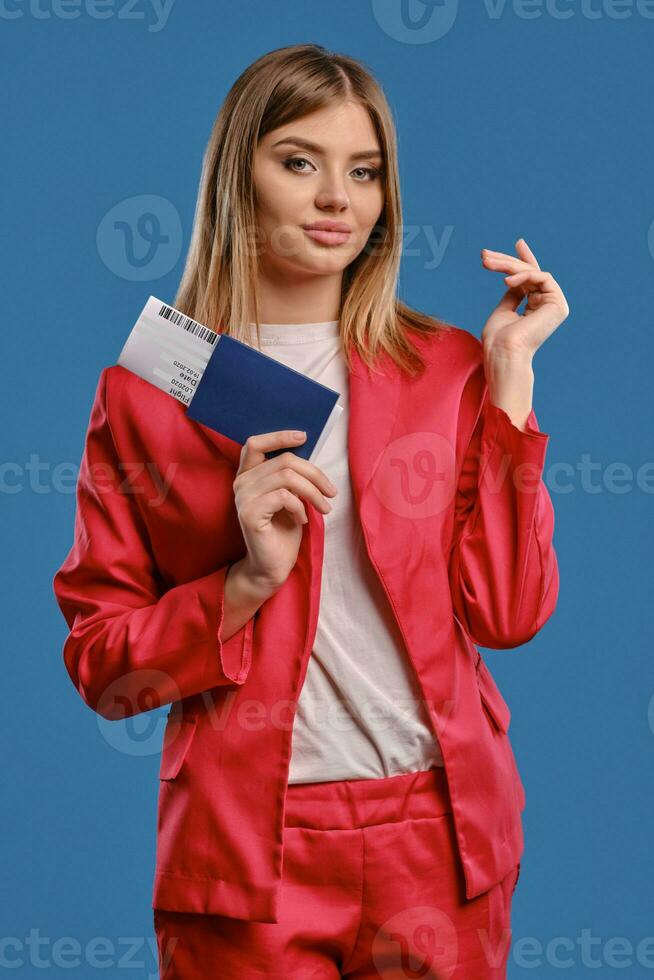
538	296
283	499
540	281
504	263
256	446
266	506
510	301
302	466
526	252
536	300
288	477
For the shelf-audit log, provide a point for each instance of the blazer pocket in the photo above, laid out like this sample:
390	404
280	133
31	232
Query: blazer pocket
491	697
177	738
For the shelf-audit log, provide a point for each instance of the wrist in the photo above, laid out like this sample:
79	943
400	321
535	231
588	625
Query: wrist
510	379
501	359
254	588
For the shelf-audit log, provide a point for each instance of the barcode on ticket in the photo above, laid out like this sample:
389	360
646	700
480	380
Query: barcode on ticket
180	320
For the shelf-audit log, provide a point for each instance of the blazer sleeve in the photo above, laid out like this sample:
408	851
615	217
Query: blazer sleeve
132	645
503	569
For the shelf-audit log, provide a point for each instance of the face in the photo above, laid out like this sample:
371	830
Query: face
323	168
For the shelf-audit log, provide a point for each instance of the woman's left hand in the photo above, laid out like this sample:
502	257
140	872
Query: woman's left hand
509	333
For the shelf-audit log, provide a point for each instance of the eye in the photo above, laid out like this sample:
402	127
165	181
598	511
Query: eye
372	172
291	160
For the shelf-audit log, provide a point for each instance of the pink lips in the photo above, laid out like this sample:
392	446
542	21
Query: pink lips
328	232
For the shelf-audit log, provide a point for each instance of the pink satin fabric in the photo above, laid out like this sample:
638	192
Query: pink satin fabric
372	887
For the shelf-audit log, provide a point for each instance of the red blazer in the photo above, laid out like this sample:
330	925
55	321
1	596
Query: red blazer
459	532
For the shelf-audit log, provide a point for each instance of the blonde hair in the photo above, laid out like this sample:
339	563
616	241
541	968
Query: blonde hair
219	284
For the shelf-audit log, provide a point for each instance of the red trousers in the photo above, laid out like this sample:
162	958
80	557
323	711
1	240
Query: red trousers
372	887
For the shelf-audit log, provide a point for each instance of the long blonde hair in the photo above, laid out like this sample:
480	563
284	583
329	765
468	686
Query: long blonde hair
219	284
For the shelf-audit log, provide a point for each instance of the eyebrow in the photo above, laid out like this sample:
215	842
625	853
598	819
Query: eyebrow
315	148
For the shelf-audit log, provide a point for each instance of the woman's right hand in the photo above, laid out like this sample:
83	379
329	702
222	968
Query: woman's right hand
267	494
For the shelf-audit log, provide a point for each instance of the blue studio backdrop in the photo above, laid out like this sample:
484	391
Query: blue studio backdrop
515	119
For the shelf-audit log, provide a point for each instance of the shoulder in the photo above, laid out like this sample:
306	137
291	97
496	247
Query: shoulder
124	390
453	353
454	368
133	404
120	382
456	346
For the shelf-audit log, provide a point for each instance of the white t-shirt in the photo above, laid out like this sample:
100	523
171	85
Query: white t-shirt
360	713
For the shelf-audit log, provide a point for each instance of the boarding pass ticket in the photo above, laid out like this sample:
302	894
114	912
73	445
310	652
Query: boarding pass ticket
168	349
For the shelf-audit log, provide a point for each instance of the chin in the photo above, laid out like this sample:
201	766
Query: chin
320	265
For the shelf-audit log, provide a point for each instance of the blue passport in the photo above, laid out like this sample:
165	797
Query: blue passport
244	392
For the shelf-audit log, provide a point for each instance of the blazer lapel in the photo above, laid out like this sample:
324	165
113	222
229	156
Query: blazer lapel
374	401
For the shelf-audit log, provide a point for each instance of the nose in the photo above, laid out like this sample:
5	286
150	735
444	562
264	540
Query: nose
332	194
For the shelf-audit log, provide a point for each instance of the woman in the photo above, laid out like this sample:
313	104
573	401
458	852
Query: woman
273	602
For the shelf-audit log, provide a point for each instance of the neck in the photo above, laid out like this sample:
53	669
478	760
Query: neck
288	299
